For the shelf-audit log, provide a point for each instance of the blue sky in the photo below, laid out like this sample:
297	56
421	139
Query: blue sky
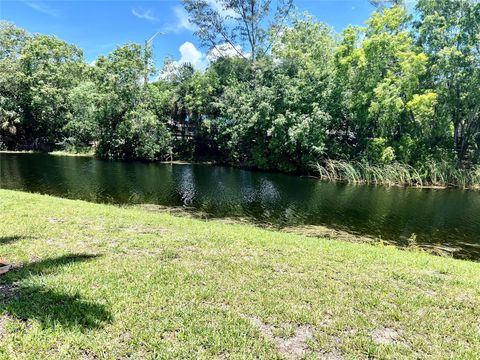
98	26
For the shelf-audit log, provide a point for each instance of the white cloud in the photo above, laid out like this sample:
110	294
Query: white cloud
182	21
40	6
182	18
190	54
217	5
146	14
226	50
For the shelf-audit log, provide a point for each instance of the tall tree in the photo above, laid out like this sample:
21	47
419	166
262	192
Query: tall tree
129	127
12	40
242	24
449	32
381	4
379	71
47	69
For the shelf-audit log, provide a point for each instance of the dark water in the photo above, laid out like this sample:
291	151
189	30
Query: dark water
445	218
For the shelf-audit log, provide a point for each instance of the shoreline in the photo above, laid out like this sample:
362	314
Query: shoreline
312	231
387	184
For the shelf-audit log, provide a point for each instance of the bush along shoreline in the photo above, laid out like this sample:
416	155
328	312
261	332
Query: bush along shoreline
433	175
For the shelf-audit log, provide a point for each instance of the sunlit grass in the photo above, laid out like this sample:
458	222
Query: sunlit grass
104	282
75	151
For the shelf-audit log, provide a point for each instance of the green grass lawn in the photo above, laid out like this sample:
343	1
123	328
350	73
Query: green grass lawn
103	282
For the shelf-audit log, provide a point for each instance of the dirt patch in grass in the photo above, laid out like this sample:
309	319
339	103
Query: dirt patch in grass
4	320
88	355
440	275
332	355
329	233
139	229
440	250
53	220
385	336
293	347
175	210
290	347
97	227
7	290
194	213
189	248
161	254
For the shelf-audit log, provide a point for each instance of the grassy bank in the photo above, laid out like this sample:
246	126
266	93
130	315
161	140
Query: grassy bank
103	282
89	152
397	174
86	152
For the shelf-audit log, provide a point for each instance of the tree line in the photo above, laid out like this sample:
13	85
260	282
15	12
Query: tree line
282	91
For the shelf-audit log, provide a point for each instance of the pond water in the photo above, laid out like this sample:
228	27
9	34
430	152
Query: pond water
445	218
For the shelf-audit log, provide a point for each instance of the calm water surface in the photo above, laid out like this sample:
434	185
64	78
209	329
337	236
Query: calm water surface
447	218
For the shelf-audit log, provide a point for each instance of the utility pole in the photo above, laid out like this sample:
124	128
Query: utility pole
148	55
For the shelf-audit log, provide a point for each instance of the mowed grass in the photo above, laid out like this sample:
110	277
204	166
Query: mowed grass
104	282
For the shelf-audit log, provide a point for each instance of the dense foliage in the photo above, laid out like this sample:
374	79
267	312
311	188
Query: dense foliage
405	88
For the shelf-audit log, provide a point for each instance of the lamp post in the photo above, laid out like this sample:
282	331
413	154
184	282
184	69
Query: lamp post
148	54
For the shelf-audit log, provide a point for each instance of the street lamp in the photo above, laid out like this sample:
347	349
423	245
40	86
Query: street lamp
148	53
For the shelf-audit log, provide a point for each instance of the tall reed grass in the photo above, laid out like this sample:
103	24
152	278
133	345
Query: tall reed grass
441	174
